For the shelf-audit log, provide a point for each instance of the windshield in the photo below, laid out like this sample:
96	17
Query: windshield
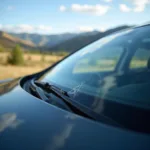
110	73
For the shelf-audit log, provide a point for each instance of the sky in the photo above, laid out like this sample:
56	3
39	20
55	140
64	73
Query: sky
60	16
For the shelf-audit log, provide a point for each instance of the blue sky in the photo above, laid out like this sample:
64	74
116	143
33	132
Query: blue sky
59	16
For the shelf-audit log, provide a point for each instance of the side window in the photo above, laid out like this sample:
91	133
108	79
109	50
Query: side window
98	61
140	59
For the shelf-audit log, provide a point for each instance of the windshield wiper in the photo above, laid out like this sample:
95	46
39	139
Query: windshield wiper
38	92
74	106
51	88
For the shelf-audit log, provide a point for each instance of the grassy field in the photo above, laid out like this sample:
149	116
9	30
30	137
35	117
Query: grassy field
33	63
37	62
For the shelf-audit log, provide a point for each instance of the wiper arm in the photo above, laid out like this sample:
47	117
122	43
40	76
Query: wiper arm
51	88
78	108
39	92
75	106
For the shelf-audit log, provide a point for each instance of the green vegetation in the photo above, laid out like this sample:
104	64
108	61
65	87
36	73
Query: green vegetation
1	48
33	51
32	64
16	56
53	53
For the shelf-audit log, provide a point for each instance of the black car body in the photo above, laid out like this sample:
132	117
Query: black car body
28	121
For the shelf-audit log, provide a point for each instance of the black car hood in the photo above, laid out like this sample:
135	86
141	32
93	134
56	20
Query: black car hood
27	123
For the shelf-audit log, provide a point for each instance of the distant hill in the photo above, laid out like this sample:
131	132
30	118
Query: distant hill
84	39
45	40
9	41
67	42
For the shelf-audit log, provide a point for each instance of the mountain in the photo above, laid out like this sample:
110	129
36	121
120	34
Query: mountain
45	40
9	41
84	39
67	42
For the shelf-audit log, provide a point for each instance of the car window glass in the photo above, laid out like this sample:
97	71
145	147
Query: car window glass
99	61
141	56
99	70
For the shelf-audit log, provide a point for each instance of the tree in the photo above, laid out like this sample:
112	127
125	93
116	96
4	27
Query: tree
16	56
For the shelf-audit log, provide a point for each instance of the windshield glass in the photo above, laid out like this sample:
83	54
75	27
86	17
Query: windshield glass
113	71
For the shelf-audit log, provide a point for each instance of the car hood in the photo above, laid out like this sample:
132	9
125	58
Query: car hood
29	123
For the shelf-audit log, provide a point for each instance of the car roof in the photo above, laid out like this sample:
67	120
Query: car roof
147	24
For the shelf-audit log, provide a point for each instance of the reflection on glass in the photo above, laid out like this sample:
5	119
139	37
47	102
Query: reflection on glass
59	140
7	87
9	120
108	84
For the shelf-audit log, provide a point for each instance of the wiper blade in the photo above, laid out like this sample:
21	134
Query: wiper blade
78	108
51	88
73	105
39	93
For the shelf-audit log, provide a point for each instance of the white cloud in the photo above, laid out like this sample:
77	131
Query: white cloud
43	28
102	29
26	28
90	29
92	9
89	9
10	8
85	29
139	9
124	8
9	120
62	8
140	5
108	1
